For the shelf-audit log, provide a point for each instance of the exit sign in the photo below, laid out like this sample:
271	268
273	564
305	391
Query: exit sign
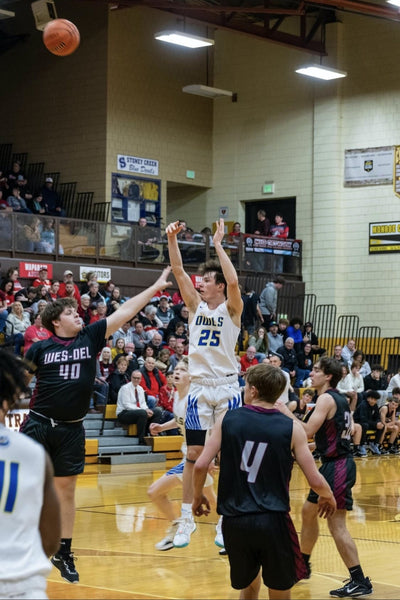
190	174
268	188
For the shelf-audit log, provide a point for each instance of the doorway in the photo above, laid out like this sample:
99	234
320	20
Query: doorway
286	206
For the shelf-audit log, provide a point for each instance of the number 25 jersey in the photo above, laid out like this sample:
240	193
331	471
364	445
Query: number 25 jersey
212	340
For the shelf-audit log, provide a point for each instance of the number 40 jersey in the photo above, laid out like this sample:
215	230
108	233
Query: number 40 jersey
212	341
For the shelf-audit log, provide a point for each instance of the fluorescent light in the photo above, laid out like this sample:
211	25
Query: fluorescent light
320	72
394	2
183	39
206	91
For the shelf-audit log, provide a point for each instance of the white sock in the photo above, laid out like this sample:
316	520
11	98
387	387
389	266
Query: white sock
186	510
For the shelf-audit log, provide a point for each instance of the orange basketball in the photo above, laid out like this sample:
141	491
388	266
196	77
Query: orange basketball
61	37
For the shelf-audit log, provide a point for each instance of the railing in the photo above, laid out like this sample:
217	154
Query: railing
100	241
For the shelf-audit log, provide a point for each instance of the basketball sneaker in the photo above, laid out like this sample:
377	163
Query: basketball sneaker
65	564
168	541
185	529
352	589
219	538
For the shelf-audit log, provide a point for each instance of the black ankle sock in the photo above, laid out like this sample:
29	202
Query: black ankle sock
306	558
65	546
356	573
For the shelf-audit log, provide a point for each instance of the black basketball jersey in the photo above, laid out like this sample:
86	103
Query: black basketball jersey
256	461
332	439
65	372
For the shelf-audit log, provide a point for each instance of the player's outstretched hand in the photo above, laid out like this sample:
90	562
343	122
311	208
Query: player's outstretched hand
326	506
173	229
162	282
200	506
219	232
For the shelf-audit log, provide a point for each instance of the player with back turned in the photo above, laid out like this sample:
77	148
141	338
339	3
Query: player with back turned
257	445
65	368
331	423
214	325
29	508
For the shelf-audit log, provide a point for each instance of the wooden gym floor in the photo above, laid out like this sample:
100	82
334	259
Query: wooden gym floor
116	529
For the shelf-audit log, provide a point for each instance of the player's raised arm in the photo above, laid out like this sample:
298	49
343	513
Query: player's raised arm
234	298
128	309
188	292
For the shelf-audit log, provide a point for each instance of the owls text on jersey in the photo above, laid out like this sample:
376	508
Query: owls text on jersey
212	341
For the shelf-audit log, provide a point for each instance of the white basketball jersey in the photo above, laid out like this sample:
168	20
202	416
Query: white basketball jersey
212	341
22	476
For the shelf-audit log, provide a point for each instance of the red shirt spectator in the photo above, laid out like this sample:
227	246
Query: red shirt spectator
35	333
248	359
166	395
42	279
68	277
152	379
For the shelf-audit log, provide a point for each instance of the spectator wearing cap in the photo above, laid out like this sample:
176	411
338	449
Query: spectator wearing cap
164	312
67	277
310	336
42	279
275	340
51	199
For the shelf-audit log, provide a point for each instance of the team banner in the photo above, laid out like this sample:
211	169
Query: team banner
273	246
384	237
136	164
368	166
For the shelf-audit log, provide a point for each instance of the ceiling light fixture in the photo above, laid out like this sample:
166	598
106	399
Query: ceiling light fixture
394	2
183	39
208	92
320	72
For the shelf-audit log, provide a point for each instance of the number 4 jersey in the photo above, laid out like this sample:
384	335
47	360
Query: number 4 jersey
212	341
256	461
65	370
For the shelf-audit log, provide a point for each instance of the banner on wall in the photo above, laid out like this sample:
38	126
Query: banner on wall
136	164
368	166
30	270
273	246
396	175
103	273
384	237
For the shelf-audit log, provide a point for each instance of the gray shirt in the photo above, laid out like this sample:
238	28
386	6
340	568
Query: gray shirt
269	299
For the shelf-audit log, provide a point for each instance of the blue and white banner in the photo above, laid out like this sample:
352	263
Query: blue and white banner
135	164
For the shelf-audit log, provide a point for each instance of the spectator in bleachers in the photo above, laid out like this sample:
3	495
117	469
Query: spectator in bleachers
348	351
27	297
105	365
163	362
147	236
182	316
107	289
35	333
16	324
51	199
7	286
283	324
68	277
117	378
389	418
16	201
140	338
377	381
305	359
261	343
294	331
152	380
166	401
54	289
3	311
178	354
337	354
171	344
269	299
275	339
290	362
368	416
84	310
42	279
177	299
164	313
248	360
310	336
151	323
94	293
133	408
13	274
156	343
4	206
148	352
48	237
118	348
36	205
39	305
129	353
352	385
276	360
125	332
393	383
99	312
15	171
90	276
115	300
360	359
70	292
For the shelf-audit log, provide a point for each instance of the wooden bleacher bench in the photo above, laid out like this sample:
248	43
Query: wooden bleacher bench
169	444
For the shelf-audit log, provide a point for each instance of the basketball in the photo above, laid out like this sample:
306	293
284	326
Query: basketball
61	37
